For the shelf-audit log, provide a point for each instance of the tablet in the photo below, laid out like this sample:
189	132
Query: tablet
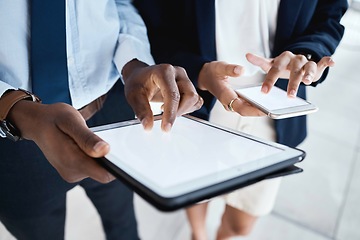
195	161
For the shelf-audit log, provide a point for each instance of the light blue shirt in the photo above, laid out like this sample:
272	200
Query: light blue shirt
102	36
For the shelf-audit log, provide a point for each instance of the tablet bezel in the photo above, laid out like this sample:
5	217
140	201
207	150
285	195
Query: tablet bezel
169	202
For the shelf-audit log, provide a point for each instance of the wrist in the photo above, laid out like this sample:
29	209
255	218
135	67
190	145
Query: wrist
8	127
129	68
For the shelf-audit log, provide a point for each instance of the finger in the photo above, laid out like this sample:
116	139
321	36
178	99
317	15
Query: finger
310	70
238	104
75	127
87	167
246	109
279	66
264	63
140	104
199	103
223	69
195	107
74	165
165	80
322	65
189	96
296	74
94	170
190	101
215	76
226	96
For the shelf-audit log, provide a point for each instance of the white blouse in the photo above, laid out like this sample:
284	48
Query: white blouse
244	26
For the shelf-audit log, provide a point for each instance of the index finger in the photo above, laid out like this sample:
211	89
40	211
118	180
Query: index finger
279	65
166	81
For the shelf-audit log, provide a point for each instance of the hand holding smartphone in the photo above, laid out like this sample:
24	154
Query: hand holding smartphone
276	104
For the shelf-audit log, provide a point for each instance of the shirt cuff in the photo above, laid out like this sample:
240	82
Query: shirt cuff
130	48
4	87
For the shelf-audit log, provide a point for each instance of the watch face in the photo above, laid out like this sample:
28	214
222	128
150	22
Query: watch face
7	130
2	133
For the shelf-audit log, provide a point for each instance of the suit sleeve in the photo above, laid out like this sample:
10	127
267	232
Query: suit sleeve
322	35
168	34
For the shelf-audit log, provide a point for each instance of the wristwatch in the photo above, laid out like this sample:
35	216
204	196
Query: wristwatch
7	101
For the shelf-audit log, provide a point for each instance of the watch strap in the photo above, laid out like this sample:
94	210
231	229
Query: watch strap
10	98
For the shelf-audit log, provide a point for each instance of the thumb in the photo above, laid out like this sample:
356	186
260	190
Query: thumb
224	69
85	139
92	144
264	63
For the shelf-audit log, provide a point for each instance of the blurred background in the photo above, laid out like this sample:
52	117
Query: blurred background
322	203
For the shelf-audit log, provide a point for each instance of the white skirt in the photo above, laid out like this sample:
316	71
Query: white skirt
257	199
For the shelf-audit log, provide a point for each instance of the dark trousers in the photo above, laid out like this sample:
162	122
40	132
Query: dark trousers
33	195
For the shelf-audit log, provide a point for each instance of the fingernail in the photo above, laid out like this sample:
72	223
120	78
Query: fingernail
237	70
292	93
99	146
331	60
167	127
201	100
308	79
145	124
264	89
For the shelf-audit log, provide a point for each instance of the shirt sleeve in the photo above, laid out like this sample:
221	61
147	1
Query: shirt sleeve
133	40
4	87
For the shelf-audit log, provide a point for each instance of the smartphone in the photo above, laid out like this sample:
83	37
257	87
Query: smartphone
276	104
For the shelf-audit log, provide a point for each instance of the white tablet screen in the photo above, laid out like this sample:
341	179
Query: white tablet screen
187	156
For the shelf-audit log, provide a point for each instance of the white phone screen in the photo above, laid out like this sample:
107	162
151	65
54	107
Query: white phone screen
274	100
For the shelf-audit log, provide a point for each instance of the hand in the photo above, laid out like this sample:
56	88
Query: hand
214	76
164	83
62	135
296	68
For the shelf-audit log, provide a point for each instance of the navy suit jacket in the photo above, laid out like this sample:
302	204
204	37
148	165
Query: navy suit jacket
182	33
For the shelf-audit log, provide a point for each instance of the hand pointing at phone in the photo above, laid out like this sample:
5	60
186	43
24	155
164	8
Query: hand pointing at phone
295	67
